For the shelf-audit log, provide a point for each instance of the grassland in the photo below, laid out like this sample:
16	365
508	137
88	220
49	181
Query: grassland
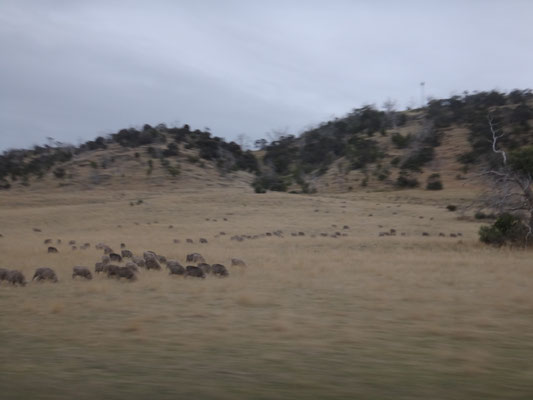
353	317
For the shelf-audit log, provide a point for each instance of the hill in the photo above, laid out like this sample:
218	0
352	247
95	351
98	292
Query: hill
131	158
443	145
433	147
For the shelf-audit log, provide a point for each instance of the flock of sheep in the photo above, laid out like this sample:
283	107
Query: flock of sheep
149	261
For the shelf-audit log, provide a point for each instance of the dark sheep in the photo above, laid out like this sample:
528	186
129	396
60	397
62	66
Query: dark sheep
195	257
126	253
106	260
139	261
71	242
205	267
16	278
219	270
3	274
100	267
52	250
44	274
175	268
48	241
203	240
122	245
132	266
189	241
193	271
108	250
81	271
115	257
237	262
152	263
114	271
162	259
149	254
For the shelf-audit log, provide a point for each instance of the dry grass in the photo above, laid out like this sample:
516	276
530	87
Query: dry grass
359	316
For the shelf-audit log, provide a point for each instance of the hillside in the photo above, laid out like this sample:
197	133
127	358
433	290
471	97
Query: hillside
441	146
132	158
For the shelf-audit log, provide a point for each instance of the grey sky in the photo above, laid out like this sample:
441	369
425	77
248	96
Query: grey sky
74	70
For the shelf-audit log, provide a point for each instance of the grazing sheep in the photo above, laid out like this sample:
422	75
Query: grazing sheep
122	245
115	257
219	270
195	257
48	241
205	267
189	241
126	253
85	246
71	242
121	272
193	271
203	240
44	274
100	267
162	259
106	260
3	274
139	261
81	271
132	266
16	277
152	263
235	262
175	268
52	250
149	254
108	250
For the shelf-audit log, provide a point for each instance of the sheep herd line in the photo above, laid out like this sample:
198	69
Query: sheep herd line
149	261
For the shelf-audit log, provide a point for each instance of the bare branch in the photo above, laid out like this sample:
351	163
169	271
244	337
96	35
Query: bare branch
495	138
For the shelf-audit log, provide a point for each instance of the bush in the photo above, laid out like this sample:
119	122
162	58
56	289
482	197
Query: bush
269	182
434	182
507	229
59	172
406	181
400	141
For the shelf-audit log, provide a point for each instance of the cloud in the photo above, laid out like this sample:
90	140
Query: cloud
74	70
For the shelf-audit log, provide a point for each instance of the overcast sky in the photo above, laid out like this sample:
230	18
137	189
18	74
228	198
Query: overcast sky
73	70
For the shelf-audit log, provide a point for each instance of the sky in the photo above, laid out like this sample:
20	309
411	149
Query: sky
74	70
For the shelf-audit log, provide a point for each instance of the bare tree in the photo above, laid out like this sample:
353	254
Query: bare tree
510	189
244	141
390	112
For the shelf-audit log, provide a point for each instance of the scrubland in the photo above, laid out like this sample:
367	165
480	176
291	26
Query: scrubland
356	317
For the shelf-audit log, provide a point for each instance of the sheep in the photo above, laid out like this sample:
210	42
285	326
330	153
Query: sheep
81	271
45	274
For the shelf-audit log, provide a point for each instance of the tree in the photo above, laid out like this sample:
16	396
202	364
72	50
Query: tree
511	180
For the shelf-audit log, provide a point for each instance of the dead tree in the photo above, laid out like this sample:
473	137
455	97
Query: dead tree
511	190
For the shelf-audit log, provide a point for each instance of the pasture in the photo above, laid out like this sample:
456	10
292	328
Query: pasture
352	315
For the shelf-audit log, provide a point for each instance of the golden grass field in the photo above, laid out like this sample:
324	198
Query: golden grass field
354	317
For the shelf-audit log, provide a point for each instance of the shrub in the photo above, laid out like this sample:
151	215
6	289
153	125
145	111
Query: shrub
507	229
400	141
59	172
406	181
269	182
434	182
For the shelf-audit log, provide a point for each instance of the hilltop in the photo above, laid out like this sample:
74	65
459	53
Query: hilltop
441	146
